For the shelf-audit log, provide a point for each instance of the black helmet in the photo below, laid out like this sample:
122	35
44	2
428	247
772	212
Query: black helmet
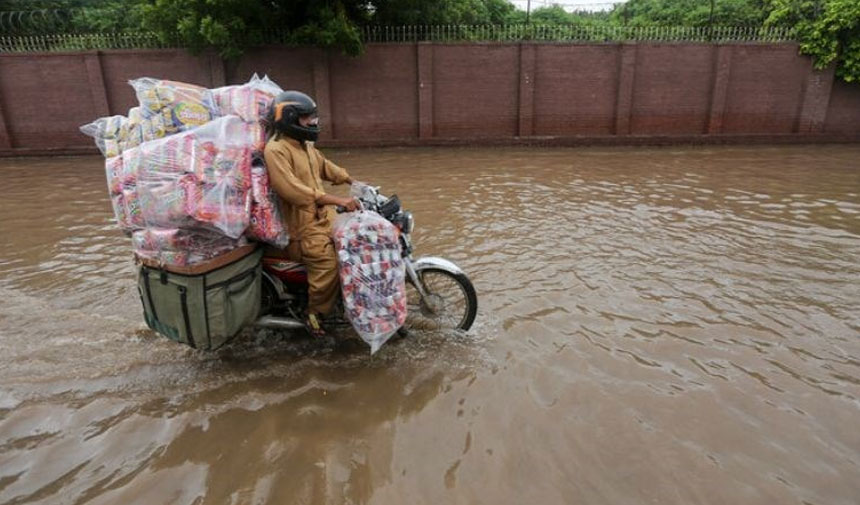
285	112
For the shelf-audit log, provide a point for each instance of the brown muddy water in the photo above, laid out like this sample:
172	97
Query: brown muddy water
670	326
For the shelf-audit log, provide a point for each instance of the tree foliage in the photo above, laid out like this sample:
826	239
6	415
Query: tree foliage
33	17
231	25
689	13
441	12
829	31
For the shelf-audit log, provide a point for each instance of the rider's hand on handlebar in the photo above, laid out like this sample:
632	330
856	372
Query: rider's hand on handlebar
349	204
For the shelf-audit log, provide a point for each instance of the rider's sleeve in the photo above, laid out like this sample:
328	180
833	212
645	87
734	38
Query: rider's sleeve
331	172
285	182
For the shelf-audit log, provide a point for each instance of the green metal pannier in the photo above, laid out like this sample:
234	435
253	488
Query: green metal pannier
206	305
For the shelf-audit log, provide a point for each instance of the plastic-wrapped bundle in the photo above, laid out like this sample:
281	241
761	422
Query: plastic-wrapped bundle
108	133
177	247
115	180
258	133
126	208
169	107
121	174
142	129
198	179
249	101
372	274
130	166
267	223
181	106
113	170
115	134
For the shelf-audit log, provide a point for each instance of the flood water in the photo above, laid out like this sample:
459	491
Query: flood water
668	326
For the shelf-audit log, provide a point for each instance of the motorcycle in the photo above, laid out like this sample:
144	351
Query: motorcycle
440	295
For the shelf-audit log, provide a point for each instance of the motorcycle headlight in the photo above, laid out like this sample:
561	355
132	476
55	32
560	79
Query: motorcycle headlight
408	223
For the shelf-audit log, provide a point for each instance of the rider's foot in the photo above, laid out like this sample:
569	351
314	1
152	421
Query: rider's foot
314	326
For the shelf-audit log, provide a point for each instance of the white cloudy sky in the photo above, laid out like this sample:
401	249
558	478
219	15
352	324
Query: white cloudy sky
568	4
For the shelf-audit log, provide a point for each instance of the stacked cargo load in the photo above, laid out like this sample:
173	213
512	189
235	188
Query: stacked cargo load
188	184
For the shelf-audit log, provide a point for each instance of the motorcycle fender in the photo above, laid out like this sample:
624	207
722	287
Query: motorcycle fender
434	262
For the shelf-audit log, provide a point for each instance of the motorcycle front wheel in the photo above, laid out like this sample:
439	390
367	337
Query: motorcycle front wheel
451	302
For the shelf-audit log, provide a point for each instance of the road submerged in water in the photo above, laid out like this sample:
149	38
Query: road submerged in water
667	326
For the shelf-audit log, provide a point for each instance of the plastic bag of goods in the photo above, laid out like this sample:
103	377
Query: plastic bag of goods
200	178
108	133
267	222
115	134
122	188
180	248
250	101
181	106
143	129
372	275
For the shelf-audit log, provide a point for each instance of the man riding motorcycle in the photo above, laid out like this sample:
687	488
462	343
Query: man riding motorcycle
296	171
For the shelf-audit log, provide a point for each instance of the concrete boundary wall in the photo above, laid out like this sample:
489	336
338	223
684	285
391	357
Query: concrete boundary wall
462	94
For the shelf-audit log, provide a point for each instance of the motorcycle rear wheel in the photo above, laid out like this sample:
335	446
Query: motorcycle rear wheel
452	302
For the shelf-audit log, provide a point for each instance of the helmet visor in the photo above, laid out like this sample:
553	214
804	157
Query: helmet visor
311	119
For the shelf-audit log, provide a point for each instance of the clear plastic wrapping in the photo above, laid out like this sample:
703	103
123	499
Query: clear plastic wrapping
249	101
121	174
181	162
197	179
267	222
178	247
181	106
142	129
115	134
108	133
169	107
372	274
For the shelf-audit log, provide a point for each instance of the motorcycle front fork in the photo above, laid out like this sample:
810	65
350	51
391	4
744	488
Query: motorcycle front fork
413	276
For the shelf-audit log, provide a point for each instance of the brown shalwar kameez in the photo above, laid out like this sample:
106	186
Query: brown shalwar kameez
296	171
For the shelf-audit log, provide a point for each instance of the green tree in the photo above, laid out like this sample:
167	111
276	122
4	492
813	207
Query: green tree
109	16
829	31
689	13
232	25
552	15
441	12
36	17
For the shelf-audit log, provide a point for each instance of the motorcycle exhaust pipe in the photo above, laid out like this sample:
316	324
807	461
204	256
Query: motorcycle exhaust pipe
279	323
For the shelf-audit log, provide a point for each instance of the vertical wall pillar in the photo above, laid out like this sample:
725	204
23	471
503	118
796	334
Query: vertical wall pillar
424	55
217	71
322	94
626	76
98	91
5	139
526	113
816	99
719	89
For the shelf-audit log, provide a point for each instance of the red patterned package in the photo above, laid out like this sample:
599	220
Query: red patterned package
372	274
